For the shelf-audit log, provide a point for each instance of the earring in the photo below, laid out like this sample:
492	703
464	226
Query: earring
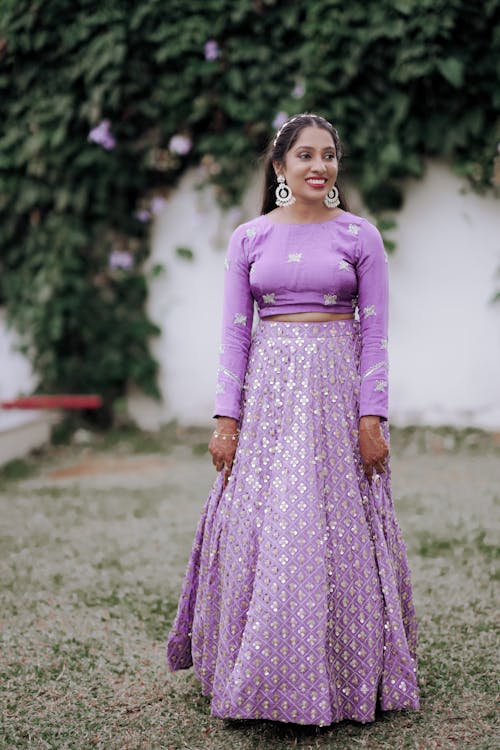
283	193
331	199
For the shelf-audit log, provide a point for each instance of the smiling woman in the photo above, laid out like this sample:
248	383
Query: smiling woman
311	165
297	602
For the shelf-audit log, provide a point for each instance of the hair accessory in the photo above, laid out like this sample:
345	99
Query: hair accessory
283	192
296	117
287	122
331	199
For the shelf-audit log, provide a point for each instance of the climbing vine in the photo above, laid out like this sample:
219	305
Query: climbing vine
104	106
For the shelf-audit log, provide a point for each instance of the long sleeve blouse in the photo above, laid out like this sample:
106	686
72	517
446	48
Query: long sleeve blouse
338	265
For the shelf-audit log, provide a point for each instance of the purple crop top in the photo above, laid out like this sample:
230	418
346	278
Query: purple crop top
336	265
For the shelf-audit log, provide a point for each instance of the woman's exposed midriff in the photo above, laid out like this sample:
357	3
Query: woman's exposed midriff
313	317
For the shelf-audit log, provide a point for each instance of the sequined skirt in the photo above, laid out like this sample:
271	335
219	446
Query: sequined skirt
297	602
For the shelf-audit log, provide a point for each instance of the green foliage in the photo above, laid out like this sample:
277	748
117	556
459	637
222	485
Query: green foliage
185	253
401	79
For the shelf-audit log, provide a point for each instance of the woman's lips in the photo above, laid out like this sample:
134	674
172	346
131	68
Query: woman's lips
318	183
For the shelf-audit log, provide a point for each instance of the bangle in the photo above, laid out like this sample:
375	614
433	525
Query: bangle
227	435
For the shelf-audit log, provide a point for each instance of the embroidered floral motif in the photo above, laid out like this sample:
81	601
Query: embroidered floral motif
226	264
373	368
369	310
344	265
381	385
294	257
240	319
220	388
354	302
231	375
330	299
252	270
251	232
383	343
353	229
268	299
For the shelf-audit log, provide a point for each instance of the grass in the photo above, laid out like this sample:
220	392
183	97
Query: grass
90	568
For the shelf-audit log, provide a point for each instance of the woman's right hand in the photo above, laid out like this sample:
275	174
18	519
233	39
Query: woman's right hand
222	445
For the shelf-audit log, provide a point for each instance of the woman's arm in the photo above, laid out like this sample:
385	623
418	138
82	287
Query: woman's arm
237	317
373	304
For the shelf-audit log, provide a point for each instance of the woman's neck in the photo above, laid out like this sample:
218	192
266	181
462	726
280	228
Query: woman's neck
304	214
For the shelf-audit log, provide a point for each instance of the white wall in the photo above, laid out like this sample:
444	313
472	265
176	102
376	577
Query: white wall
16	376
444	331
20	429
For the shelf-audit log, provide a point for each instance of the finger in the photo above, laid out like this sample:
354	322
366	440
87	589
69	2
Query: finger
227	470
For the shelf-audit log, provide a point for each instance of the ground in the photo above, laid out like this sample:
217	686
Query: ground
94	539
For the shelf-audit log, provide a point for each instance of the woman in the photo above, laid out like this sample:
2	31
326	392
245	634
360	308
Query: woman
297	602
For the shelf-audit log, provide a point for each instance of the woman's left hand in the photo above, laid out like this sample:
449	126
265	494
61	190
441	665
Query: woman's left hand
372	446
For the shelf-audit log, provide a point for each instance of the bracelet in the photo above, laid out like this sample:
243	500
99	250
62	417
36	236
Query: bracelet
226	436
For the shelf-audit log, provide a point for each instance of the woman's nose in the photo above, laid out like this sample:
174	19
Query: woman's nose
318	165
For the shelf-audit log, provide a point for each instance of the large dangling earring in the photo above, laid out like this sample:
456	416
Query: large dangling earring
331	199
283	193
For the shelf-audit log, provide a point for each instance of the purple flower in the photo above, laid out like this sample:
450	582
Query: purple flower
157	205
212	50
280	119
180	144
102	135
121	259
142	215
298	90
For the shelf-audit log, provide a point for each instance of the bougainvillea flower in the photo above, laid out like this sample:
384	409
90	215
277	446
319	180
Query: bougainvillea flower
121	259
298	90
158	203
102	135
280	119
212	50
142	215
180	144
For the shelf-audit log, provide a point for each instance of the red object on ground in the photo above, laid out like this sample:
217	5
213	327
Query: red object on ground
57	401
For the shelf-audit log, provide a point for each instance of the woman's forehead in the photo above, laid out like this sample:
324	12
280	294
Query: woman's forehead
314	137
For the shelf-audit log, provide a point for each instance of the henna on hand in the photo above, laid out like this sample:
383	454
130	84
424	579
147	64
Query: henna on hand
223	444
373	446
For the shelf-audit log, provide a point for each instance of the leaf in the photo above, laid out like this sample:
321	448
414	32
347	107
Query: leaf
184	252
452	69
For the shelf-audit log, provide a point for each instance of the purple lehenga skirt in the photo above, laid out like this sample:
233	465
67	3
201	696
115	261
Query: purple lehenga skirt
297	602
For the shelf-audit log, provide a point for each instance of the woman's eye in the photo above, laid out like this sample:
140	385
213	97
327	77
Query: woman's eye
306	155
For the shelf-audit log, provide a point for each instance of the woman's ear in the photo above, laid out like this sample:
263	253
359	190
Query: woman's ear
278	168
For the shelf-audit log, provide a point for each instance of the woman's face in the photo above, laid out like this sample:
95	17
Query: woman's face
311	165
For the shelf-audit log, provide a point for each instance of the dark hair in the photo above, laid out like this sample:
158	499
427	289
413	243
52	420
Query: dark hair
281	145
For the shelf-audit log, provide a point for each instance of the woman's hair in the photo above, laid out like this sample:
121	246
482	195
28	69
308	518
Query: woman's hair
282	143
